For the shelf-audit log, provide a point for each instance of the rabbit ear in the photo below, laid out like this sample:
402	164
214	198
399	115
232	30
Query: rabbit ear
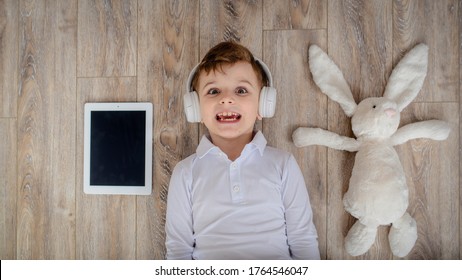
330	79
407	78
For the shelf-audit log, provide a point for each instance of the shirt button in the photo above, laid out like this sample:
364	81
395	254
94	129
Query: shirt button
233	165
236	188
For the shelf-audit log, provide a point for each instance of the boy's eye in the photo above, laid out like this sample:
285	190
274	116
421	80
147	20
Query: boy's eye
241	91
213	91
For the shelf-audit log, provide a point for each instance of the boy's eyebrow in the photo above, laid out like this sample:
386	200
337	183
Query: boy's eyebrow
245	81
209	83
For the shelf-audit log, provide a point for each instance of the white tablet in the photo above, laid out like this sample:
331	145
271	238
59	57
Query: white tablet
118	148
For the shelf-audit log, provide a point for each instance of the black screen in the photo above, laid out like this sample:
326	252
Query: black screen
117	148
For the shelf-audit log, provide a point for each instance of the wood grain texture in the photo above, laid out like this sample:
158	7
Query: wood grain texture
57	55
365	61
434	23
460	126
9	10
302	14
8	190
106	224
165	56
239	21
46	130
107	38
299	104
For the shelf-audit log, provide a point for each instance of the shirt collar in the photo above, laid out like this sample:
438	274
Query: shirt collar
206	146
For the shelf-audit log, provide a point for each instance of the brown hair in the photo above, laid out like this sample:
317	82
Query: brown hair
227	53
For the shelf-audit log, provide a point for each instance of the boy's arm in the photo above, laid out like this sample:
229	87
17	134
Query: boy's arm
178	225
301	232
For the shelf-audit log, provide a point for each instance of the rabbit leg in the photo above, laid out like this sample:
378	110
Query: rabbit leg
359	239
403	235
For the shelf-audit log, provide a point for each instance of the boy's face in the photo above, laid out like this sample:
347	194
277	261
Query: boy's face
229	100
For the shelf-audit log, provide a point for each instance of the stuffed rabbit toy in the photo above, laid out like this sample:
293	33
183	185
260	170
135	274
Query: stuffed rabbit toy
377	193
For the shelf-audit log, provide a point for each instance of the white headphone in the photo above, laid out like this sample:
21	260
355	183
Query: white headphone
267	104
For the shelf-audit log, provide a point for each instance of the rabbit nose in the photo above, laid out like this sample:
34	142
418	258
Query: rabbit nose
390	112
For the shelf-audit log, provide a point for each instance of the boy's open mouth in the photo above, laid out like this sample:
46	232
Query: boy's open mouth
228	117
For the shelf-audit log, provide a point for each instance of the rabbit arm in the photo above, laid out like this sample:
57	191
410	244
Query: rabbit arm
305	136
432	129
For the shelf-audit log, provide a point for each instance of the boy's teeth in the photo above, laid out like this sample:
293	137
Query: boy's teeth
228	116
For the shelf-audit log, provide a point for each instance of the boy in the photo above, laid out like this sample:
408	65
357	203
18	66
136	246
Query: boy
236	198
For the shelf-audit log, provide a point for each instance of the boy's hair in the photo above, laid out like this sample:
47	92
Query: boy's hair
228	53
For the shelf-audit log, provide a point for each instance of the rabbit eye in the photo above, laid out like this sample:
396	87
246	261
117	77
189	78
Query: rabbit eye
374	106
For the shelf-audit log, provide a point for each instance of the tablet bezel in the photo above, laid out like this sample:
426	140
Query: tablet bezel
120	190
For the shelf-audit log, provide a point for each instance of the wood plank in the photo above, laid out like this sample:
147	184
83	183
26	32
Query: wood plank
460	127
435	23
304	14
365	60
9	14
299	104
165	56
433	178
107	38
46	130
239	21
106	224
8	190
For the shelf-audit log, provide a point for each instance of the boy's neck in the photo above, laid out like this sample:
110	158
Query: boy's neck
232	147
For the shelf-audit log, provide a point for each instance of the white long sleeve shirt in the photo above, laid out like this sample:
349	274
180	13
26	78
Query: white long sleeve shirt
256	207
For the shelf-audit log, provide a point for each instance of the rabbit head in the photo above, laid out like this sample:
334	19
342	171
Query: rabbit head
375	117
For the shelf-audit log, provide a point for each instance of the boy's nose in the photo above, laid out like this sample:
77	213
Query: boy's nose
226	99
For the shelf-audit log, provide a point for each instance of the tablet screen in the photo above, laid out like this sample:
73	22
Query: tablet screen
119	149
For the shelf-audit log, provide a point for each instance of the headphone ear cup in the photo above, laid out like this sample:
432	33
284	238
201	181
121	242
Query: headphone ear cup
267	104
191	107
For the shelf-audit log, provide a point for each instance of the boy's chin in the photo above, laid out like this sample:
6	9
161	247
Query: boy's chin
231	134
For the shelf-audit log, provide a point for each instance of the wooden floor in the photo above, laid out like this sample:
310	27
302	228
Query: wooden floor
56	55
